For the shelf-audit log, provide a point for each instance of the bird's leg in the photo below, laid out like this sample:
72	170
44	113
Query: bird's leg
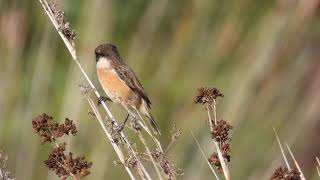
104	99
124	123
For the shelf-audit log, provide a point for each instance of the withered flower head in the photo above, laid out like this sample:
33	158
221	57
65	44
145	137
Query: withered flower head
282	173
214	160
206	95
65	165
64	26
220	131
41	125
49	130
55	161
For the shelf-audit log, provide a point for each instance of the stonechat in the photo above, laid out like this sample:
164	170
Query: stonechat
121	84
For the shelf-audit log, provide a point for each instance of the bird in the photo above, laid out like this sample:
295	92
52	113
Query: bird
121	84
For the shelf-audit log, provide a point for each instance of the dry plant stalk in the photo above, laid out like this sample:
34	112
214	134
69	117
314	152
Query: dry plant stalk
109	125
218	129
204	156
296	163
287	173
318	166
62	164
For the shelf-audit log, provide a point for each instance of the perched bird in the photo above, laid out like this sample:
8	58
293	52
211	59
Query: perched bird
121	84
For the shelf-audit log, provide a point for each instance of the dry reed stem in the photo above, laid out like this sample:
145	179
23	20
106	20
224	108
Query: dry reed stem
318	161
318	165
149	153
203	155
109	136
296	162
282	151
224	166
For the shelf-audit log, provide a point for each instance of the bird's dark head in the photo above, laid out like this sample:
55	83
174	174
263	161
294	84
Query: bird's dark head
108	51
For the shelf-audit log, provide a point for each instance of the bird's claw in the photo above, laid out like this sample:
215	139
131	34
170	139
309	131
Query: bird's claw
103	99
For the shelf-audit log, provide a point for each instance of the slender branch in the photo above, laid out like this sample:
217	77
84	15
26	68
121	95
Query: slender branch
282	151
204	156
296	162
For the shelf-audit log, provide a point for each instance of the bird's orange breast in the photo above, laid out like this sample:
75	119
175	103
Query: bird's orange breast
111	83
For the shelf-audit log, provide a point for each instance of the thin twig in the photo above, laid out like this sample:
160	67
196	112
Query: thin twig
296	162
204	156
282	151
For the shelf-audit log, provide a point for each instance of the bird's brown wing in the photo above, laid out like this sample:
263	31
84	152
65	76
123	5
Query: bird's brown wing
128	76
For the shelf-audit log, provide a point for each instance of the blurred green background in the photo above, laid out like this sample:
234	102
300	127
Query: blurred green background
263	55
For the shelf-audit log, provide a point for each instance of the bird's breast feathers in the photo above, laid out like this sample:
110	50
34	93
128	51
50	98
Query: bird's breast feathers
115	88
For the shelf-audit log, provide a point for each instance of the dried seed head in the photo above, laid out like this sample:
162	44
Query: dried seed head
206	95
221	130
50	130
55	161
41	125
64	26
282	173
220	134
65	165
214	160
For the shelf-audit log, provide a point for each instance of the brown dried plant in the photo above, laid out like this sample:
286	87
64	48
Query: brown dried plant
282	173
62	164
219	129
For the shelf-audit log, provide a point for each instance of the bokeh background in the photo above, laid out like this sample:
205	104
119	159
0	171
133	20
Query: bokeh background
264	56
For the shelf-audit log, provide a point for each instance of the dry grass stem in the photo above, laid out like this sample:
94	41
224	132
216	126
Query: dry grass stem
224	165
149	154
282	151
204	155
295	162
318	166
114	144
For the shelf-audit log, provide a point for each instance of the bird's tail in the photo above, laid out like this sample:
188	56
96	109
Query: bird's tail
154	124
145	110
